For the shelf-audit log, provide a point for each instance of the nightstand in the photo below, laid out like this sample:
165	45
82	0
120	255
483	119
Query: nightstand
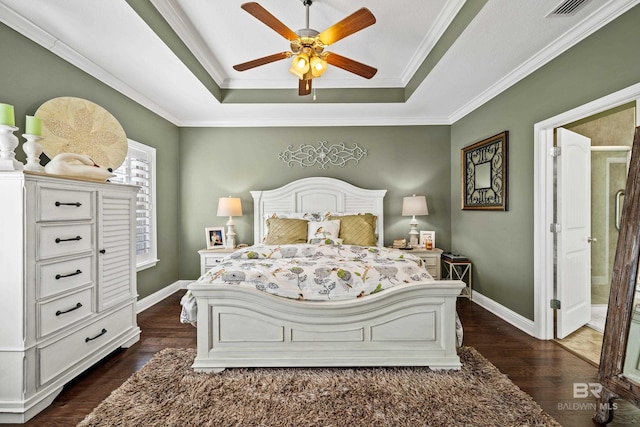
431	259
211	257
459	270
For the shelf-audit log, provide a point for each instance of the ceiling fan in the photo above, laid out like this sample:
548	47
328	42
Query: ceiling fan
307	45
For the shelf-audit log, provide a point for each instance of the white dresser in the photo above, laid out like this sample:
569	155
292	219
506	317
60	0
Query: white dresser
67	284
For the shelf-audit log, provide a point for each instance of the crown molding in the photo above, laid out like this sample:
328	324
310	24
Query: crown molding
598	19
442	22
182	26
318	121
25	27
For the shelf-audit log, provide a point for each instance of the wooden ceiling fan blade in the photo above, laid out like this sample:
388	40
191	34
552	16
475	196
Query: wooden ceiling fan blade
304	87
353	23
261	61
350	65
269	20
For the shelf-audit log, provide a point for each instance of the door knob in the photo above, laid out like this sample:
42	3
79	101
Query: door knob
592	240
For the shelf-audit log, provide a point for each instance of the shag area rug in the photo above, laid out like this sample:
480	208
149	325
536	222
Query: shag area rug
167	392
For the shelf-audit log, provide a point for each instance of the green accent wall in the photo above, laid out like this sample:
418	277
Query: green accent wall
219	162
196	166
501	243
31	75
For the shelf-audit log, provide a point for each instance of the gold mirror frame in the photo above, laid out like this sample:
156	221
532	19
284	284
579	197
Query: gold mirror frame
621	299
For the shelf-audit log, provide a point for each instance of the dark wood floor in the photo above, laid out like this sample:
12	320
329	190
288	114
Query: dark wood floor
541	368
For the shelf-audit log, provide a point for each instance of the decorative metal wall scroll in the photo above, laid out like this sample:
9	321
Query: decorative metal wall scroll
322	155
484	174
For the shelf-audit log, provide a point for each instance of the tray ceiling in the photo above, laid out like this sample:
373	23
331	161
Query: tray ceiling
437	60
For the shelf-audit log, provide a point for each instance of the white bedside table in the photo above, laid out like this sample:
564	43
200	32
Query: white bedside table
431	259
210	257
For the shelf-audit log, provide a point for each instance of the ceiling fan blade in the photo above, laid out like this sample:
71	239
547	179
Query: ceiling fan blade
269	20
304	87
350	65
353	23
261	61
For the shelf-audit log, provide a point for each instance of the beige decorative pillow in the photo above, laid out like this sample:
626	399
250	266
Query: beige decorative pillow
357	229
283	231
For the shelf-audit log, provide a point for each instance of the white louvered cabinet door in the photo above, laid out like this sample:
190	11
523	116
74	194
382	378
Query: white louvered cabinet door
116	248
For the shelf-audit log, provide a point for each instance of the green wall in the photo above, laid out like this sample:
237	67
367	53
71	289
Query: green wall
196	166
501	243
31	75
232	161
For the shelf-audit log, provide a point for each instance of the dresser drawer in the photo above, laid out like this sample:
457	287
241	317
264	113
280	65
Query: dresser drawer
57	277
60	312
64	239
57	204
63	354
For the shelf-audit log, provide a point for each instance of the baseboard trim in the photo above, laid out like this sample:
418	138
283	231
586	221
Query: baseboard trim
158	296
506	314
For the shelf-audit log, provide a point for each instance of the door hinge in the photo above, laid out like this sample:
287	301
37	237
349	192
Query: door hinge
554	151
555	304
554	227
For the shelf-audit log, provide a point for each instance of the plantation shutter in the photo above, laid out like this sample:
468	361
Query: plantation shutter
138	169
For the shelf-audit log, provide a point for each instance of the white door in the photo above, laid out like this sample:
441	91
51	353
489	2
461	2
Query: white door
573	287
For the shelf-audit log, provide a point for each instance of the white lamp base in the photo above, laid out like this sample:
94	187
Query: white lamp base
414	233
231	234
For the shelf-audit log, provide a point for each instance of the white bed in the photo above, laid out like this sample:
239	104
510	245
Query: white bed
412	325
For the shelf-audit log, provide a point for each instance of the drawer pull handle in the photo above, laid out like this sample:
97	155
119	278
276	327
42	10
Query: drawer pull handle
60	276
103	251
58	240
104	331
78	305
76	204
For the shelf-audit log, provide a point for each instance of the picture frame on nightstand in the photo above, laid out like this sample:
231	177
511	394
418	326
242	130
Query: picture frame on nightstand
215	237
427	236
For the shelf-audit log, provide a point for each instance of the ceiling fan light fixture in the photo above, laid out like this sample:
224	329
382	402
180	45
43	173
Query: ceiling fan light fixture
318	66
300	65
307	45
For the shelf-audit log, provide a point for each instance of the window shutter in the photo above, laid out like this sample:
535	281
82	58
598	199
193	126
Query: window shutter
138	169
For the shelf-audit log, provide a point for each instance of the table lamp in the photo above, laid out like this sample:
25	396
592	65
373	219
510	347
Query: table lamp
230	206
412	206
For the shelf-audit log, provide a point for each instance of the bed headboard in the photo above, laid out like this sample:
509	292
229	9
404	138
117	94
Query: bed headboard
317	194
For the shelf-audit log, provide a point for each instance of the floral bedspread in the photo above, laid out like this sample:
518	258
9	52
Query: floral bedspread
314	272
318	272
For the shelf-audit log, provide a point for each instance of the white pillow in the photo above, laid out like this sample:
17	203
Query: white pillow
323	229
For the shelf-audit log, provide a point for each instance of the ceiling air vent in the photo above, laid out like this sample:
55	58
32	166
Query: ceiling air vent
568	7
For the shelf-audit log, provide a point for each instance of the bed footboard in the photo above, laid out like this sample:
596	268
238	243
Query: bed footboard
410	325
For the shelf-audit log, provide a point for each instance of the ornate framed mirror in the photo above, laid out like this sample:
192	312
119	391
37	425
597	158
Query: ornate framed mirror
619	372
484	174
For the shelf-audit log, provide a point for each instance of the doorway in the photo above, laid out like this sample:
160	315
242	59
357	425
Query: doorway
611	135
544	250
583	284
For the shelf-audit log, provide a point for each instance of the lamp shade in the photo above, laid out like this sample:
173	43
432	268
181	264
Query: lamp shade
414	205
229	206
318	66
300	65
